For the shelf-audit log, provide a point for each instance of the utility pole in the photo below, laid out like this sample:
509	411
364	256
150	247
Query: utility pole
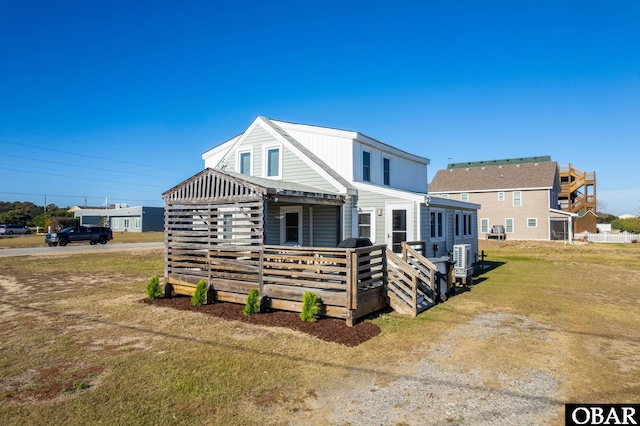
45	203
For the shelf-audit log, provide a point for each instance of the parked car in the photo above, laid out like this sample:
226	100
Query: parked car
93	234
14	229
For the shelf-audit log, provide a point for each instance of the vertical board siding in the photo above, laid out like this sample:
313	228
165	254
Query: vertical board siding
325	226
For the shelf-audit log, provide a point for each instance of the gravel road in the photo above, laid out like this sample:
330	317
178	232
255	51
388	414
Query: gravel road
439	393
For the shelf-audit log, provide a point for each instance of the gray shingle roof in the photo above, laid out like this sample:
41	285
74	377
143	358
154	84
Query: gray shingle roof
510	176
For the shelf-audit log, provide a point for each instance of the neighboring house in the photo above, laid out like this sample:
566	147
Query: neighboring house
123	218
520	194
320	186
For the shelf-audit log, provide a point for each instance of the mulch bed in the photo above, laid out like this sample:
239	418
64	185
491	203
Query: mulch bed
327	329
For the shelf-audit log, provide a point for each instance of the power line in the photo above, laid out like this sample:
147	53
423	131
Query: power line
89	156
75	166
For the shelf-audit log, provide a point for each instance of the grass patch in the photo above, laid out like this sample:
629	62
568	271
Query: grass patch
33	240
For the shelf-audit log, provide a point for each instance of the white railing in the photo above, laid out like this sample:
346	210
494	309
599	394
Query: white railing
623	237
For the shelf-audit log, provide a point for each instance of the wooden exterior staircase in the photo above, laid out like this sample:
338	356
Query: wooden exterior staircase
412	281
577	190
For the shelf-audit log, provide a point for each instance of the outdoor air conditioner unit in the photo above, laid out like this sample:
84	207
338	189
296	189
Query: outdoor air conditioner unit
462	256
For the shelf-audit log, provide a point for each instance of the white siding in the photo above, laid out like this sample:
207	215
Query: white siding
333	150
406	175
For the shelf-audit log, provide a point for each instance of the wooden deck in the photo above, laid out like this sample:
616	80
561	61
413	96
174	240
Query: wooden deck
350	282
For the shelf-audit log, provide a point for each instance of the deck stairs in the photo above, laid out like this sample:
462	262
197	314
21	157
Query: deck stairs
411	282
577	189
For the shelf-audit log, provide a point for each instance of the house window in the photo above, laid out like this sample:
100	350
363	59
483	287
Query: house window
457	224
484	226
443	195
466	224
126	223
532	222
500	196
273	162
437	223
115	222
291	225
245	163
366	166
365	225
386	168
138	222
508	225
464	197
517	198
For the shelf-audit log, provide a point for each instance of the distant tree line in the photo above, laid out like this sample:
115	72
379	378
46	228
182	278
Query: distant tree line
631	225
27	213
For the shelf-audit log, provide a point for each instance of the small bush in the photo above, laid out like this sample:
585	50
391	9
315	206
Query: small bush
310	307
153	288
253	302
200	296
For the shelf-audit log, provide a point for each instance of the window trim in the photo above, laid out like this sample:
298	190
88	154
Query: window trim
464	196
239	161
283	225
506	225
138	223
265	161
501	196
535	222
457	229
372	224
115	222
467	224
519	198
366	167
484	225
437	232
386	171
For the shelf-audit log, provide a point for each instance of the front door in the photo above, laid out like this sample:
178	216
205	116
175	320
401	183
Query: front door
398	225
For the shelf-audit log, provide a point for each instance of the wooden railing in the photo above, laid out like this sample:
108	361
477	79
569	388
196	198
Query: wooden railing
338	276
411	281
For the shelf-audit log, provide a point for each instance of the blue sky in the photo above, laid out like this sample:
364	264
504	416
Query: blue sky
117	100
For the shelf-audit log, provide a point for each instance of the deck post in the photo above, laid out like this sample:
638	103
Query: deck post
355	274
260	271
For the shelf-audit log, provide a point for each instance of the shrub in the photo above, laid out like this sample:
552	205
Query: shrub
310	307
253	302
200	296
153	288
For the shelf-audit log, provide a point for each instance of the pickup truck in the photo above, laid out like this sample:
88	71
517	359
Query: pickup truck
93	234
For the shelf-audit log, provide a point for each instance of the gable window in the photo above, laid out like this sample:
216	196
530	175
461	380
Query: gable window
273	162
484	225
386	168
366	166
517	198
437	225
500	196
291	225
464	197
532	222
508	225
366	225
244	160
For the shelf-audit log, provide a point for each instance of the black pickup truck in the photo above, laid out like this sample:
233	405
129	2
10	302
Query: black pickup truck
93	234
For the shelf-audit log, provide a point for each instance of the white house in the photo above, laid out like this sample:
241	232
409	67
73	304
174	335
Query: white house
325	185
